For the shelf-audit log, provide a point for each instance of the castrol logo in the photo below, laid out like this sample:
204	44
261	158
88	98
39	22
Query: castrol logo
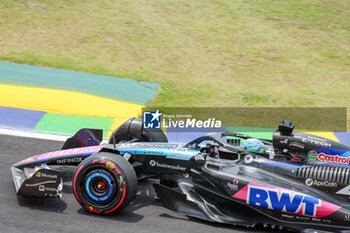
313	155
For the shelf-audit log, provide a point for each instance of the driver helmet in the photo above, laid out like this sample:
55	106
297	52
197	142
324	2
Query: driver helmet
253	145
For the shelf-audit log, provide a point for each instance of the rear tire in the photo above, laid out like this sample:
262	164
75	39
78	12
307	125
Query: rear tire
104	183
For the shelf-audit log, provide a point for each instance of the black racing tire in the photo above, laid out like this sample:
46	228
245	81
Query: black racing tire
154	135
133	129
104	183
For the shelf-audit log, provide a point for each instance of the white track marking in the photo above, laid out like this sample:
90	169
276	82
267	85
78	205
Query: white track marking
17	133
45	136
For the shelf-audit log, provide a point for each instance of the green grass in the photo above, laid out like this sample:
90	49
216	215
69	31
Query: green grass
70	124
241	52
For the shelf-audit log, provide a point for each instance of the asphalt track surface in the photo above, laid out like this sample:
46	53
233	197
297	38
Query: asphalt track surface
145	213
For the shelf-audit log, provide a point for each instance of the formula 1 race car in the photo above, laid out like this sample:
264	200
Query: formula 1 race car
295	181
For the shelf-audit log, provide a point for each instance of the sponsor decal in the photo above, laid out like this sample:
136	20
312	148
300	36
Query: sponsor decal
43	188
285	200
319	183
69	160
152	151
84	151
288	216
250	158
313	155
50	189
309	182
234	185
154	163
285	141
325	183
316	141
110	165
41	174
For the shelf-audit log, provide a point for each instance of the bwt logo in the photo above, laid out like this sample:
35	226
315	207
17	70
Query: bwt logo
151	120
282	200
